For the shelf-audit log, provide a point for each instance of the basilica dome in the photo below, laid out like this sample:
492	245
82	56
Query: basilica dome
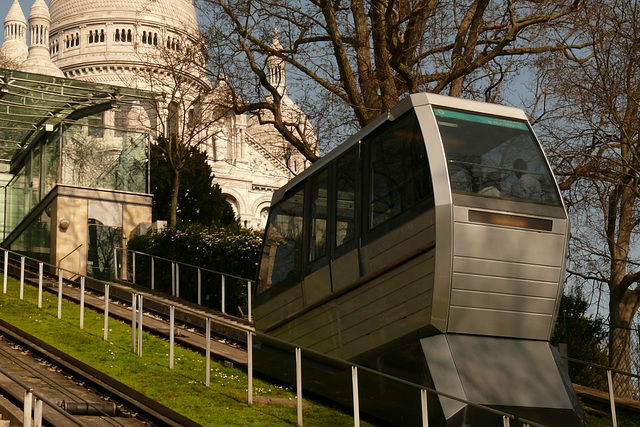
181	13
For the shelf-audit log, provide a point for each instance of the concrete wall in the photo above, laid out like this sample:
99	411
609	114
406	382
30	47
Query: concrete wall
63	241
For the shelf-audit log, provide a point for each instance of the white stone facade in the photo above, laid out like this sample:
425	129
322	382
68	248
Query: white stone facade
113	42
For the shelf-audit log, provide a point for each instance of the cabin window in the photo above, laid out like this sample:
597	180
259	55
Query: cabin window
282	257
398	171
495	157
318	241
346	175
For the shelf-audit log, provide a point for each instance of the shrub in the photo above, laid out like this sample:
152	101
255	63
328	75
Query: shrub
231	250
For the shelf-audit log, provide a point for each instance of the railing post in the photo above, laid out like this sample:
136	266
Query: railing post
299	384
60	275
134	299
222	294
425	407
172	316
356	398
37	412
173	278
115	263
612	399
249	303
27	408
199	287
133	256
177	280
249	368
106	311
208	351
153	273
6	271
140	312
505	421
21	277
40	267
82	279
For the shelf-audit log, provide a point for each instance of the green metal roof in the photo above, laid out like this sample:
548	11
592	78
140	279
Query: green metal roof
32	103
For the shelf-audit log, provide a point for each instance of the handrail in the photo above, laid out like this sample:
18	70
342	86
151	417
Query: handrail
184	264
606	368
346	364
40	397
75	249
67	255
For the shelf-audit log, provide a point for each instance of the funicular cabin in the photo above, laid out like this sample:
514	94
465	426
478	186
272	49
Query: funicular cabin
431	246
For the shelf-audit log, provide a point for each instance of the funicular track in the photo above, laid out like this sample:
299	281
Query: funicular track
96	398
227	343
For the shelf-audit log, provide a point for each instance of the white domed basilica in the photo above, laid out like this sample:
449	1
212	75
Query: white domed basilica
117	42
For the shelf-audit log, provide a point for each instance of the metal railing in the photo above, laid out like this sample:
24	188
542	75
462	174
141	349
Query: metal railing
187	281
610	389
32	404
136	345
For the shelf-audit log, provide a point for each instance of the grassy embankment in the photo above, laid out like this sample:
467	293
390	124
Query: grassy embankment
223	403
182	389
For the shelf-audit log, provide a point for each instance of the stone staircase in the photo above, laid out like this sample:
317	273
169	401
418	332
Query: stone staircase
266	153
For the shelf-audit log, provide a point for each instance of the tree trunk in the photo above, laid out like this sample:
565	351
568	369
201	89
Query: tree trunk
619	345
174	199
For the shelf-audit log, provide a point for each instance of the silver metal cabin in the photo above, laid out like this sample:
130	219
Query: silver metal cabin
430	245
468	263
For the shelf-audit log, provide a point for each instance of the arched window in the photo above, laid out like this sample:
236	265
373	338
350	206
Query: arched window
117	36
101	36
128	36
90	36
144	37
155	39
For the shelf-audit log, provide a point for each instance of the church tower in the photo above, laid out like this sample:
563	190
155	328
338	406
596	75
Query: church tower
276	68
38	60
14	49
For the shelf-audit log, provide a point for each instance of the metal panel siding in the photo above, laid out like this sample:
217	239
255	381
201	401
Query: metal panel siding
316	286
508	244
317	325
376	338
415	234
278	307
505	285
391	306
345	270
505	279
496	301
514	272
499	323
388	307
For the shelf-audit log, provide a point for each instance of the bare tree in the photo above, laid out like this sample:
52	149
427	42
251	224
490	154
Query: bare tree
191	110
589	110
355	60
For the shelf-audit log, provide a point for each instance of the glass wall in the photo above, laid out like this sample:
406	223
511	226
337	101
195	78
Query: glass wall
35	240
111	159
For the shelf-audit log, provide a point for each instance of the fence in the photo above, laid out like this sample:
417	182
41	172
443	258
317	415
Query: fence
224	292
137	319
588	340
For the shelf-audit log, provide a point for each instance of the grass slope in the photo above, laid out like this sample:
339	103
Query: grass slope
182	389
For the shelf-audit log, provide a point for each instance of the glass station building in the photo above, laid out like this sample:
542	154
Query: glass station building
75	184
